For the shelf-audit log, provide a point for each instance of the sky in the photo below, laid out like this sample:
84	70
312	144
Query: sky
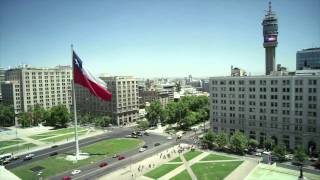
154	38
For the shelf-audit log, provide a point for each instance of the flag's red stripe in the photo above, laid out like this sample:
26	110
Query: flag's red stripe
93	87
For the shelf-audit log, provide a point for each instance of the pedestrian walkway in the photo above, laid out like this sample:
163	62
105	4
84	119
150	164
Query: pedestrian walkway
137	170
185	165
243	170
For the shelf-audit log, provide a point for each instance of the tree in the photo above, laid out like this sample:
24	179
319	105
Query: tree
188	121
208	139
279	151
86	119
222	140
6	115
25	119
143	124
38	114
154	111
300	155
102	121
268	144
238	142
253	144
59	116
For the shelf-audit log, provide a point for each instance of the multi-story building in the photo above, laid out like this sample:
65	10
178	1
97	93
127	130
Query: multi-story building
284	108
308	59
124	106
26	86
168	89
2	72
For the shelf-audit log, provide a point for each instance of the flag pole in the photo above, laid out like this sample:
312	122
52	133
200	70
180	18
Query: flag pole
74	110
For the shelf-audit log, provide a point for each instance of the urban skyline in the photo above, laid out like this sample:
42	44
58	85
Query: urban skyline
176	38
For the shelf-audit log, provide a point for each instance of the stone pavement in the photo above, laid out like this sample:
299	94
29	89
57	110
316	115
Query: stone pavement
243	170
136	171
185	165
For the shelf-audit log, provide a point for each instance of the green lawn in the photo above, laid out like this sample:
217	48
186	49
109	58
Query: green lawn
17	148
68	137
57	164
55	132
10	142
214	171
161	170
215	157
184	175
191	154
178	159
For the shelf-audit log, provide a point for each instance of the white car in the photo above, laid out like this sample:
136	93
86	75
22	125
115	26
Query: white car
169	137
76	171
142	149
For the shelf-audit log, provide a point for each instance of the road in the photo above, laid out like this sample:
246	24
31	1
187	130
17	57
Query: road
45	153
93	171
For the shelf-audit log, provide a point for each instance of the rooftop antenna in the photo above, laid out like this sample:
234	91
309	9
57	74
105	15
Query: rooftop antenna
270	7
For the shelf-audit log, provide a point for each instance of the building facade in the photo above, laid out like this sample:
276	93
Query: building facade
124	106
284	108
308	59
25	87
2	78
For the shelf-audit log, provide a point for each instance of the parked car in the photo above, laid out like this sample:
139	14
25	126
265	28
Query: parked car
156	144
54	146
5	161
139	133
146	133
103	164
134	136
66	178
169	137
76	171
15	157
129	136
53	153
28	157
120	157
115	156
145	146
142	149
134	133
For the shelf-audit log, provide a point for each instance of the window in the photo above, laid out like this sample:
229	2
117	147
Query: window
312	82
274	82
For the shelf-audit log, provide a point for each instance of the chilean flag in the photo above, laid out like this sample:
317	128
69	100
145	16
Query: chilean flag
81	76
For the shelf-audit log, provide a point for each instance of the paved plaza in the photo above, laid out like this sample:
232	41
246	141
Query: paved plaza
141	170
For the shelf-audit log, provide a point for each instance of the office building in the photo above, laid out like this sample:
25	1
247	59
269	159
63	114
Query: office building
26	86
2	73
308	59
284	108
270	34
124	106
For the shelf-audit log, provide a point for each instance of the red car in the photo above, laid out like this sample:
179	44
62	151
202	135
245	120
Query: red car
103	164
121	157
66	178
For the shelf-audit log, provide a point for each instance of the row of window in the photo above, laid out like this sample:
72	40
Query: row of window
263	82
